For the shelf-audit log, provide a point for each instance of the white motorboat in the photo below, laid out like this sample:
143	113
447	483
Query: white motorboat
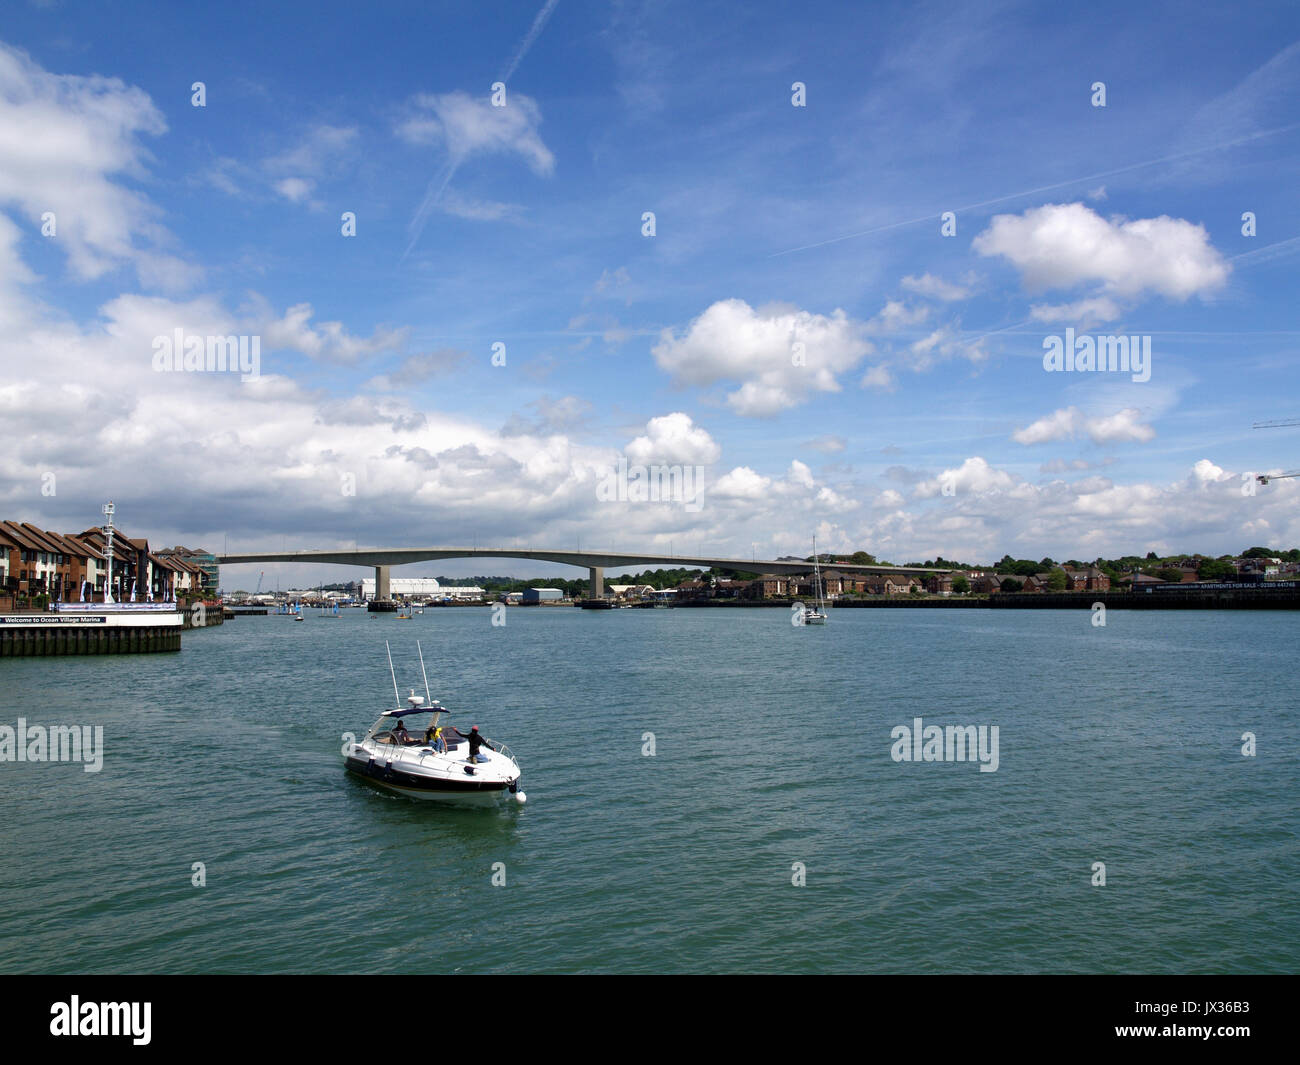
411	751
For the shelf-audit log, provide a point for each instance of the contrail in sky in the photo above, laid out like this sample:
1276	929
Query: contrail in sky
1268	252
535	31
1042	188
439	185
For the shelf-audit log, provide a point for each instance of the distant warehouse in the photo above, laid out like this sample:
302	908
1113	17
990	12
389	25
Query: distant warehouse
542	595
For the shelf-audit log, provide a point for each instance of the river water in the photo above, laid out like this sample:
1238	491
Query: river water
770	830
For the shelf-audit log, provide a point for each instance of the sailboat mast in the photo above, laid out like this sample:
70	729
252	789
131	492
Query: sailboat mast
817	575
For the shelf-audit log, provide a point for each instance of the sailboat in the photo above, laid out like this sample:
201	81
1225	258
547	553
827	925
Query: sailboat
816	616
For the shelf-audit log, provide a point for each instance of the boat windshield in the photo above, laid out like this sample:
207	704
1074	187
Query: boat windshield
415	724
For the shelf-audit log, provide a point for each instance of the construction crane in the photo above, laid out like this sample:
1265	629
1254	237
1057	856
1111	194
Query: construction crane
262	574
1279	423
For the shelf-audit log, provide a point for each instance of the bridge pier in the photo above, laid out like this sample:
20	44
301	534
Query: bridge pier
381	581
597	582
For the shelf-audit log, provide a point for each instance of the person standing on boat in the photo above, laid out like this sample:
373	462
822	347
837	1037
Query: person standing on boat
475	742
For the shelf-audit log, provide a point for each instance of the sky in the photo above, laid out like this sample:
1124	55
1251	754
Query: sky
497	260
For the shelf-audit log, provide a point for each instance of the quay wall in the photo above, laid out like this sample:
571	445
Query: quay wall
29	641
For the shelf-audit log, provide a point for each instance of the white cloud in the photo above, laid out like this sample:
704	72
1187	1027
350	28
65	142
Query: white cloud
479	210
1206	472
779	354
295	190
943	344
1063	245
470	126
328	341
935	288
830	444
296	172
878	377
315	150
1083	313
673	439
896	315
64	142
416	369
1121	427
741	483
974	476
800	474
1069	423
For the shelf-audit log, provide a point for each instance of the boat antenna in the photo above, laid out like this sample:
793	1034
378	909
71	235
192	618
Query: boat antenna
428	698
396	696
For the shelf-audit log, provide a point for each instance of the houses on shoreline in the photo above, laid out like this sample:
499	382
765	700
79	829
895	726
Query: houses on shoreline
42	565
840	585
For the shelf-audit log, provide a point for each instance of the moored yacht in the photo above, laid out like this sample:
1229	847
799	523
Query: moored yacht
816	615
411	751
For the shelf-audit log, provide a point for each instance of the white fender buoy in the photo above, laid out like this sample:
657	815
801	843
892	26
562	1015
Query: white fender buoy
520	798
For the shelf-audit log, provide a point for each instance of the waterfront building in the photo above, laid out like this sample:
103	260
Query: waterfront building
889	584
939	584
542	595
629	591
1086	580
771	586
41	562
201	565
192	571
421	588
131	567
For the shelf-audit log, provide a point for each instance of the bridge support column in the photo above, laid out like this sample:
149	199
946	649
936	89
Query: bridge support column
597	582
381	582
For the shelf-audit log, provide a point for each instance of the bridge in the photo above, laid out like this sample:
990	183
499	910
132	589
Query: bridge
595	562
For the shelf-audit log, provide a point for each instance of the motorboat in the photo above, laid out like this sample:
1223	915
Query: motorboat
412	751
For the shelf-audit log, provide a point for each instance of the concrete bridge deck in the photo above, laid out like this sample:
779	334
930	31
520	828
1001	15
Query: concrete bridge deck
595	562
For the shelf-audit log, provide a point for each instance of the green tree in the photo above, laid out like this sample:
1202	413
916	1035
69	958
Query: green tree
1214	570
1056	582
1169	573
960	586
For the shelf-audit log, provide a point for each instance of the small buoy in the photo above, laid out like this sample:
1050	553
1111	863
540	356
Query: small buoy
520	798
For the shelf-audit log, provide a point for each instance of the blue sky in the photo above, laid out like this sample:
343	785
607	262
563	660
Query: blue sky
918	418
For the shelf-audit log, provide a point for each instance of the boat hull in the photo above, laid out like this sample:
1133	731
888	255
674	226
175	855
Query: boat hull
449	784
491	795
